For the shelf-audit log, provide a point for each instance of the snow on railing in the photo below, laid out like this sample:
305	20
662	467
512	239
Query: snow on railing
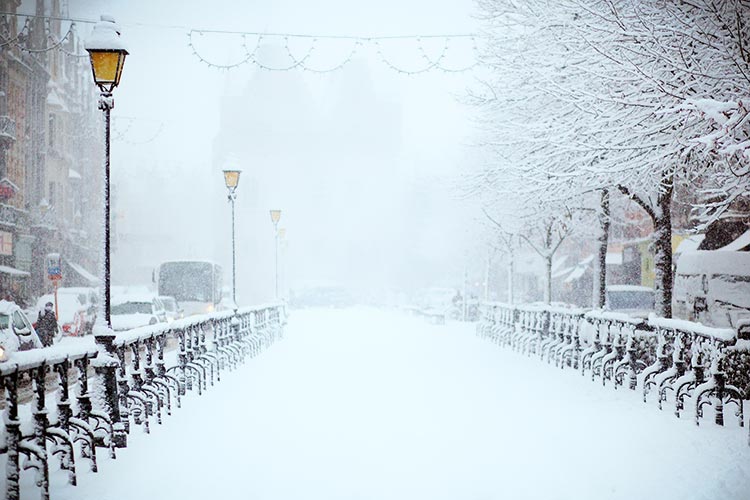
680	361
148	381
49	356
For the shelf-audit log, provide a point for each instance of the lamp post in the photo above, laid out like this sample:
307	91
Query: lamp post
232	179
275	218
107	53
281	242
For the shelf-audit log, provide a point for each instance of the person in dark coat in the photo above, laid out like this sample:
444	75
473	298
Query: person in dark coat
46	325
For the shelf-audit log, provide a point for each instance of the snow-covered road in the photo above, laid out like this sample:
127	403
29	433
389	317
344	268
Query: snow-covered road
366	404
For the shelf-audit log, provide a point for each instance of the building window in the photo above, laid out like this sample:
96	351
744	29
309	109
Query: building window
52	131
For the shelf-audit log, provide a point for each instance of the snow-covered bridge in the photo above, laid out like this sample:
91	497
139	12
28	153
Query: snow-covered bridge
364	403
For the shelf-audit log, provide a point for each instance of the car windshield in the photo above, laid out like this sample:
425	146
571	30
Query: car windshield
169	304
132	308
631	299
190	281
4	321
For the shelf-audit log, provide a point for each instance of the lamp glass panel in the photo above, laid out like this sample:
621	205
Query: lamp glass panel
231	178
120	64
275	216
106	66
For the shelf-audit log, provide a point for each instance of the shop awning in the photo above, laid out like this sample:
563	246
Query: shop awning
12	271
83	273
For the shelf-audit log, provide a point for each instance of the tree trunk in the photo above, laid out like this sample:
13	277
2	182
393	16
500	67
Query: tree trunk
548	281
487	278
510	279
600	274
663	248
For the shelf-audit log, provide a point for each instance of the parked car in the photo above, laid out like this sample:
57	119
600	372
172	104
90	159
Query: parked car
712	287
445	301
172	309
135	310
89	297
16	332
160	310
633	300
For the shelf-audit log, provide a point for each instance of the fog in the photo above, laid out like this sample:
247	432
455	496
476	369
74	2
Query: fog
361	161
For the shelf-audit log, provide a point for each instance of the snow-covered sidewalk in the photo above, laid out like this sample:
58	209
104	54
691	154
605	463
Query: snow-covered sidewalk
366	404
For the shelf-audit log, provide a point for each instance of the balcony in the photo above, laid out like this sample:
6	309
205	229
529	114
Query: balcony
7	130
12	217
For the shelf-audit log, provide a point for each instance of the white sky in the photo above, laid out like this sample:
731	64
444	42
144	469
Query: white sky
360	160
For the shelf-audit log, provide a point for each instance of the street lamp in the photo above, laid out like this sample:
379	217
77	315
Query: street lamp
232	179
283	244
107	53
275	218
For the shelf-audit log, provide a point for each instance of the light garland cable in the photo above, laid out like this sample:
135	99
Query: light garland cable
359	42
145	141
355	49
430	66
248	56
117	133
71	54
301	63
441	67
120	135
21	33
295	62
56	43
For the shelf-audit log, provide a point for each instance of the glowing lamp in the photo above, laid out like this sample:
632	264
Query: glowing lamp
275	216
232	178
107	53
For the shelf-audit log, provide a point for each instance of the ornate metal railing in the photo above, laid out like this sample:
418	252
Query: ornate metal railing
155	368
686	364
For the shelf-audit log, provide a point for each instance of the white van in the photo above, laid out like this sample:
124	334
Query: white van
712	287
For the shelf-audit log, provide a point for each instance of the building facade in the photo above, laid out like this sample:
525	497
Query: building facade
50	146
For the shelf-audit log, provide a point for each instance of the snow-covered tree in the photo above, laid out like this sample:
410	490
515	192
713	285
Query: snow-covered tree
611	95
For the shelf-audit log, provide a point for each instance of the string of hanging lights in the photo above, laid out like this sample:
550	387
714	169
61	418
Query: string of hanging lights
121	126
356	47
22	33
249	43
359	44
53	42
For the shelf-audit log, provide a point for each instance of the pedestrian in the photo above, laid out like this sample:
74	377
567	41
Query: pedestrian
457	299
46	325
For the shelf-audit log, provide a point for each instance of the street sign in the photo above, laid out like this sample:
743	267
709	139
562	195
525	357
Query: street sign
54	268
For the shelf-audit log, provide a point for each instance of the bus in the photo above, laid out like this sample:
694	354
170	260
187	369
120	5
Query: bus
195	284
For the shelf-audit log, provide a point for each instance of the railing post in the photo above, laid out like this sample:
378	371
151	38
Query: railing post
12	437
719	379
235	322
184	382
123	387
105	366
41	421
